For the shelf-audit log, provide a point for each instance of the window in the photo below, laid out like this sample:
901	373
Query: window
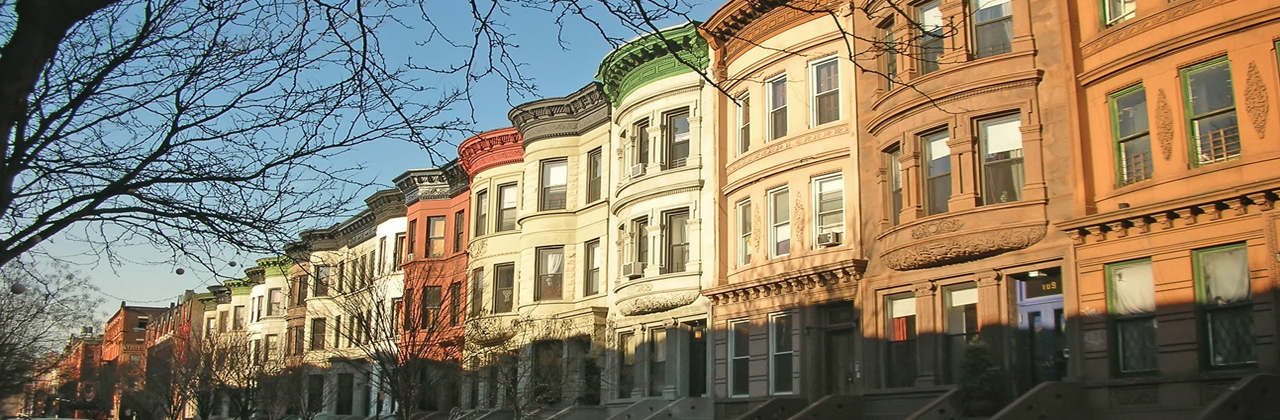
640	236
641	136
778	108
931	36
744	233
1131	302
677	136
550	273
398	258
315	393
744	124
826	91
430	312
504	284
739	358
222	321
1211	112
595	175
272	347
781	353
895	185
337	332
477	290
828	206
209	327
554	185
298	340
780	222
317	333
412	242
1002	173
482	212
962	326
435	236
397	313
323	274
626	364
459	224
592	276
1132	134
507	208
381	260
346	394
300	284
937	157
657	361
992	27
676	236
455	302
888	61
275	306
1116	11
1222	276
237	318
901	355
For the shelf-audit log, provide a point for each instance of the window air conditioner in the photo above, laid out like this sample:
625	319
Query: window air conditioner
637	170
829	239
633	270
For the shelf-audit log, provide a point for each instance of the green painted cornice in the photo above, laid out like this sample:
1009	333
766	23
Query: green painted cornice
239	287
650	58
276	266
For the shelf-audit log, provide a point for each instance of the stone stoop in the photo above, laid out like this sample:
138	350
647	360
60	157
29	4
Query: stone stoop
942	408
581	412
469	414
1254	397
497	415
1047	401
834	407
641	409
687	408
780	408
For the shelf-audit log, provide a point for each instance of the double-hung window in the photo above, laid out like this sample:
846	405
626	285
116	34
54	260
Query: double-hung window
550	266
1222	277
739	358
482	212
828	205
1002	169
594	257
889	59
895	184
322	278
1132	134
237	317
781	353
962	326
1131	302
412	241
744	124
318	333
826	91
676	241
641	130
901	354
555	178
779	223
506	207
640	237
275	306
477	290
595	175
657	361
459	221
992	27
778	107
931	31
1116	11
504	279
626	364
455	302
430	312
744	233
677	136
937	158
1211	112
435	236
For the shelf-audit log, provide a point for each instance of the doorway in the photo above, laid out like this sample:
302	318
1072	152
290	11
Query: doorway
839	338
697	358
1042	327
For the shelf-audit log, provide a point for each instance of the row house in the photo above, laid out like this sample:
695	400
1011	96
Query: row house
124	351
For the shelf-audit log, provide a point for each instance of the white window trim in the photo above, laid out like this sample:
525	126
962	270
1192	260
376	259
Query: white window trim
773	352
742	121
816	199
813	89
773	227
769	100
733	344
743	249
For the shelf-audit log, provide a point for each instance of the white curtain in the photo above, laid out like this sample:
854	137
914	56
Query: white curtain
1135	289
555	262
1226	275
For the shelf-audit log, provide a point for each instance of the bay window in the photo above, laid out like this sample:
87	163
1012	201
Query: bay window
595	175
677	136
931	27
555	176
744	124
550	269
826	91
594	256
482	212
828	206
895	185
1002	169
778	107
676	241
744	233
1211	112
435	237
657	361
992	27
937	157
506	207
504	278
1132	135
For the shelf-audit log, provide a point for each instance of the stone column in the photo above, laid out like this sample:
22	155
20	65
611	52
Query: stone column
991	311
964	171
927	333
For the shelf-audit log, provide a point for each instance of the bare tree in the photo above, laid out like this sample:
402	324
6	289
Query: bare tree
33	324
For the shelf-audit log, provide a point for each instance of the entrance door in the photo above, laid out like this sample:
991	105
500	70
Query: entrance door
840	362
1041	327
697	358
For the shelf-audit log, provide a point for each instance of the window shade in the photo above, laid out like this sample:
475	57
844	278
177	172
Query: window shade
899	308
1134	288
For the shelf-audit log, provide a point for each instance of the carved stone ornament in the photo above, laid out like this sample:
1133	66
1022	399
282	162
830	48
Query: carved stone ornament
798	225
1255	99
961	248
656	303
936	227
490	331
757	229
477	250
1164	125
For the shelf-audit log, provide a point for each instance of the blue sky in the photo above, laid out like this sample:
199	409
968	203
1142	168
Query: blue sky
555	71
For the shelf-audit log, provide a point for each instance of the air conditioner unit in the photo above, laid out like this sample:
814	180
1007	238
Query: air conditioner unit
829	239
633	270
637	170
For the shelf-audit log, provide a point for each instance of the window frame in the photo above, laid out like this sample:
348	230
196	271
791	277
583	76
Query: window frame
498	287
435	240
815	112
503	212
477	291
745	230
775	353
1016	161
1205	311
482	212
547	188
1117	352
1193	146
926	39
1121	161
896	193
410	244
626	365
774	109
595	175
733	357
947	298
431	302
774	225
671	139
539	293
1105	13
459	230
668	234
1008	17
642	144
816	197
888	63
640	243
275	307
656	362
912	338
926	155
592	265
743	124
